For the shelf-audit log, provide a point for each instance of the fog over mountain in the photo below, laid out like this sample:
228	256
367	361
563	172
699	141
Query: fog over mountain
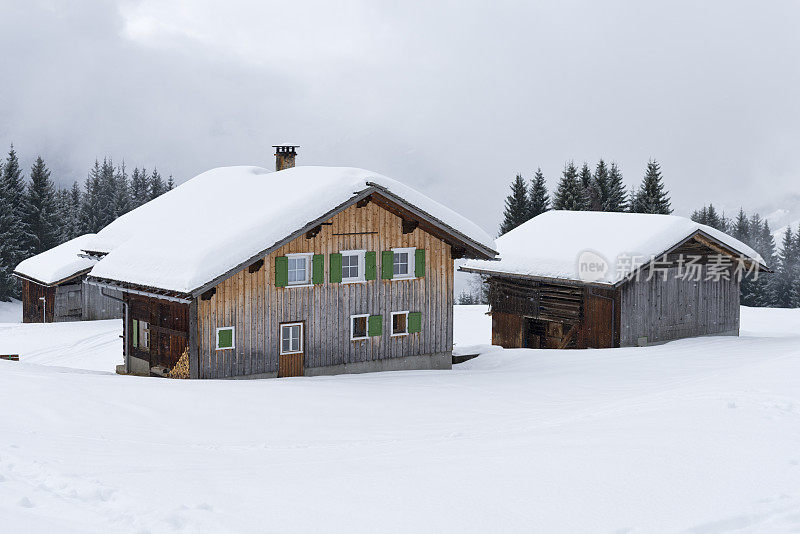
453	98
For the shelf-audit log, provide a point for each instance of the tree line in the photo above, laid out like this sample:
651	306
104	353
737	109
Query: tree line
35	215
585	190
780	289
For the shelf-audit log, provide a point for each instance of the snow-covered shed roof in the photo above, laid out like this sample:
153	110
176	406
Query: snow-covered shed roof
58	264
221	218
551	244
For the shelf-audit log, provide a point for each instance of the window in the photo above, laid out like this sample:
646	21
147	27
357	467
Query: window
353	265
403	265
400	323
141	335
358	327
299	269
291	338
225	338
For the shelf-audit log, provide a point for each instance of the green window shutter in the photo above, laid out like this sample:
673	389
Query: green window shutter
225	338
387	264
318	268
375	327
414	322
419	262
370	268
281	271
135	336
335	275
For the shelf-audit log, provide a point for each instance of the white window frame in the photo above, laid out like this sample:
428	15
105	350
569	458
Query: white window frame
362	254
280	340
309	267
233	337
366	329
411	257
391	323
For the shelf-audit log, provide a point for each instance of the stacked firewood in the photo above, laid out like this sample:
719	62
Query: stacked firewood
181	369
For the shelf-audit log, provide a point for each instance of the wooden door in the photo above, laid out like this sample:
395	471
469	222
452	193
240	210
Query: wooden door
599	321
291	350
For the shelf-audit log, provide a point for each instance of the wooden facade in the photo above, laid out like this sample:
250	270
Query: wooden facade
251	302
167	330
71	300
645	309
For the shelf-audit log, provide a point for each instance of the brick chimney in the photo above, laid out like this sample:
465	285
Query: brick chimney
284	156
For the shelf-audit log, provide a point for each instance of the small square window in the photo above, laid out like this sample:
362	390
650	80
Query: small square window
400	323
299	269
225	338
358	327
403	264
291	338
353	265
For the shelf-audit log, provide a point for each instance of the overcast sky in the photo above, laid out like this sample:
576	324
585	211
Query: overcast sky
453	98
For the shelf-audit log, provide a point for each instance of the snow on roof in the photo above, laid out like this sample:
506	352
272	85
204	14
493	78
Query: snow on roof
58	263
551	244
208	225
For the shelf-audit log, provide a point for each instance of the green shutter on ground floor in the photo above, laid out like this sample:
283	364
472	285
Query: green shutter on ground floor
375	326
414	322
387	264
318	268
135	333
281	271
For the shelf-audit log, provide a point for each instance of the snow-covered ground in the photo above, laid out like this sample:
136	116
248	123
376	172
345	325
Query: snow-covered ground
10	312
699	435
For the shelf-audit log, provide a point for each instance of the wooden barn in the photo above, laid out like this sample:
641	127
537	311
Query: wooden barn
54	287
596	280
302	271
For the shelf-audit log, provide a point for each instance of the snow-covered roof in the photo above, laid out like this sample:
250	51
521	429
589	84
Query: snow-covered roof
57	264
212	223
551	244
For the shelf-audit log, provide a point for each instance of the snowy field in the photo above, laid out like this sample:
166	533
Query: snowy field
699	436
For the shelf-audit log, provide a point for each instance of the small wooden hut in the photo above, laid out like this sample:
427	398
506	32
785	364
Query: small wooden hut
54	287
594	279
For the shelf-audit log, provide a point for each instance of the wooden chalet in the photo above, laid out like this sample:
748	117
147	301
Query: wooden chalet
54	287
598	280
312	270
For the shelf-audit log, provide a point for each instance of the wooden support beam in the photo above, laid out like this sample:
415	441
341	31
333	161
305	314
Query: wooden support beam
311	234
363	202
208	294
409	226
256	266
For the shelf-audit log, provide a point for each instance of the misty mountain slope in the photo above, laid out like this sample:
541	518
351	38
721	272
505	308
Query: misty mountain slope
697	435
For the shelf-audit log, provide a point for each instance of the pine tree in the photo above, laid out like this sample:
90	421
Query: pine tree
516	211
15	237
122	198
140	188
170	183
741	228
785	287
72	228
89	218
157	186
616	197
590	193
600	186
570	193
106	194
539	200
651	196
41	217
633	201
